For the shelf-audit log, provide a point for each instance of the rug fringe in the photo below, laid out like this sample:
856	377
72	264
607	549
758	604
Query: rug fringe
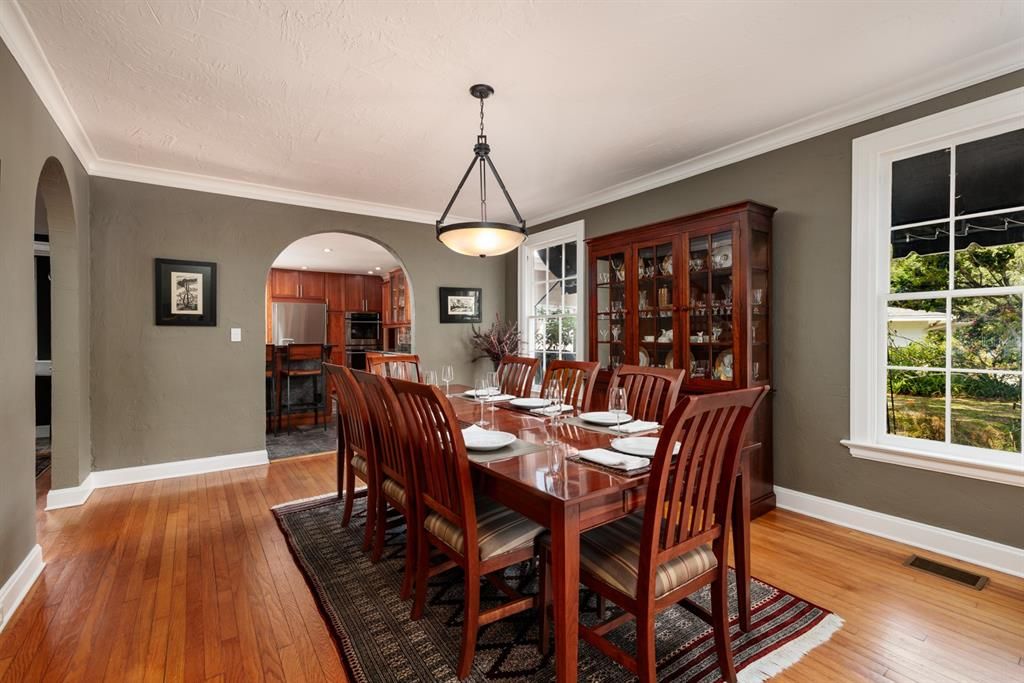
792	652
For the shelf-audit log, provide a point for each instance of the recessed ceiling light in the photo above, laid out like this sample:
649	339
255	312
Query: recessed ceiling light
369	272
305	267
327	250
376	267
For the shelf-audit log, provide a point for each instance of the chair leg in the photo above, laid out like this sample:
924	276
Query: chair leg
373	494
602	607
379	528
470	624
350	488
646	659
720	625
410	558
422	565
288	400
544	596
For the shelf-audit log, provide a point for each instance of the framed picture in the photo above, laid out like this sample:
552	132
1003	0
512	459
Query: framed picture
186	292
460	304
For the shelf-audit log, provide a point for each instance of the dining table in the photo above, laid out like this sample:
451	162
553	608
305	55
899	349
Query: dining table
555	488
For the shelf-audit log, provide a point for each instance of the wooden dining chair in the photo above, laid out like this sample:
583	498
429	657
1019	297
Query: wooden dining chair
354	448
475	533
394	365
577	380
649	561
515	375
651	393
393	467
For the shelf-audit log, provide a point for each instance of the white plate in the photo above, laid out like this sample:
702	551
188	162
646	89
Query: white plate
529	402
484	440
644	446
644	359
477	393
605	418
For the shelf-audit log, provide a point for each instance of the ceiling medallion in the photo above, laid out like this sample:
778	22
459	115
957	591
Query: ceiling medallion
483	237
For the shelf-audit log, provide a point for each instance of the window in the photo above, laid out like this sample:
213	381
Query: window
550	295
937	288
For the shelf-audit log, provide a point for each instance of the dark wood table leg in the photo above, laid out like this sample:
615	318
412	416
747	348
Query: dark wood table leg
741	545
565	580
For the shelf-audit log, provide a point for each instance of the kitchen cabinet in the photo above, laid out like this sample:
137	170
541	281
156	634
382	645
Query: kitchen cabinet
335	286
284	284
362	293
336	336
311	284
372	293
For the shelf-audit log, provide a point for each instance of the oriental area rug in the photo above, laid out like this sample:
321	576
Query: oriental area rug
379	643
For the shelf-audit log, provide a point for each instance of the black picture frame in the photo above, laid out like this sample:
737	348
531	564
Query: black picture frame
184	300
454	307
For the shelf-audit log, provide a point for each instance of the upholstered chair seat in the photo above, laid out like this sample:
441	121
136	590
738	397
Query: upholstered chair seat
499	529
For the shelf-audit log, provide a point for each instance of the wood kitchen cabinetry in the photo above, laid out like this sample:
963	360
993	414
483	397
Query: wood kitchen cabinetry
296	284
342	292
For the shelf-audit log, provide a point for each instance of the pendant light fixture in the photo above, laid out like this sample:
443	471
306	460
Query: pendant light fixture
483	237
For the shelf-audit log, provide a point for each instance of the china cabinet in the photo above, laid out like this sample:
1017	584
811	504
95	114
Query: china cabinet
691	293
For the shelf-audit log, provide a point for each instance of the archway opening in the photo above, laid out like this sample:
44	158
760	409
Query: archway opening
329	298
61	361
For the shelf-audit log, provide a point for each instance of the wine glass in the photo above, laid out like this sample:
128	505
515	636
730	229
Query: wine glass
617	405
430	377
447	376
493	386
553	396
483	390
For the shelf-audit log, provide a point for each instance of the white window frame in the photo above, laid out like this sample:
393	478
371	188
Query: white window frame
869	288
571	232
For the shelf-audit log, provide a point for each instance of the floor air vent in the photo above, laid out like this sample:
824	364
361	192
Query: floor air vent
975	581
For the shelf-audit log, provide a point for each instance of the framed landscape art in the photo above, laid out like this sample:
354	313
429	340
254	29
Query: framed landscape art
460	304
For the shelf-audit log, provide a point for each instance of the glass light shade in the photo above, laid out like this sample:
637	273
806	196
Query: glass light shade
481	238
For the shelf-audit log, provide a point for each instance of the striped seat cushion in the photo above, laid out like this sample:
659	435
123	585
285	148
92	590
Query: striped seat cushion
499	529
394	491
359	465
611	553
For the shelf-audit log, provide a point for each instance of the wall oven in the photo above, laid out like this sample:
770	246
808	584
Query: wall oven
362	329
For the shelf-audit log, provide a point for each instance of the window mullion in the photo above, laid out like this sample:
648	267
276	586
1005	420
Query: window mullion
949	294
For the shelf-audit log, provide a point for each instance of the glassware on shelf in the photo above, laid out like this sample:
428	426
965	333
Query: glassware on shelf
699	368
757	296
727	291
716	333
696	264
616	332
603	334
756	367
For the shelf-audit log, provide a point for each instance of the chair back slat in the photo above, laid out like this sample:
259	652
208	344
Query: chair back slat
651	393
441	466
405	366
690	493
515	375
387	427
577	380
353	420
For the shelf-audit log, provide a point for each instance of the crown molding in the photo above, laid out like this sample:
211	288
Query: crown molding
982	66
24	46
241	188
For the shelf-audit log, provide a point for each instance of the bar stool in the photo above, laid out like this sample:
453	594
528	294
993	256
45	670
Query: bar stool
302	361
271	386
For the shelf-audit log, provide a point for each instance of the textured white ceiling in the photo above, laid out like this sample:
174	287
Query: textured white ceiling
349	254
369	101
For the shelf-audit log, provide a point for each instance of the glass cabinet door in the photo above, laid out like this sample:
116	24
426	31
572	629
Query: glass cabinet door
711	324
760	334
655	303
610	282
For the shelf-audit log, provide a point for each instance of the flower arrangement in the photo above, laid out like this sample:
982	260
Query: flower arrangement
499	340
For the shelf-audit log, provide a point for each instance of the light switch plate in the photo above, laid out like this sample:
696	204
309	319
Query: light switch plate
236	334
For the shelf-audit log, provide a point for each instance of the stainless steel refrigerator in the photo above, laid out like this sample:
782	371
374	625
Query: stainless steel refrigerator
299	323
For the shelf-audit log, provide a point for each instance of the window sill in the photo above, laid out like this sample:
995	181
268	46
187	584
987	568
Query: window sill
937	462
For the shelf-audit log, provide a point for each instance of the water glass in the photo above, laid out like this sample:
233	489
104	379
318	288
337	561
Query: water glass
447	376
483	390
430	377
553	395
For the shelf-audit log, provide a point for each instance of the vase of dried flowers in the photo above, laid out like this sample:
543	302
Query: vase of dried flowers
499	340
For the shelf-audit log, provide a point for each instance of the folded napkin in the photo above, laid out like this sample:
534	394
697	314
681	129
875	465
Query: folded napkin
619	461
543	411
473	428
498	398
634	427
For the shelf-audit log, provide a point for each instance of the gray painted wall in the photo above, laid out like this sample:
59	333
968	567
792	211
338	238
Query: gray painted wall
172	393
810	183
28	137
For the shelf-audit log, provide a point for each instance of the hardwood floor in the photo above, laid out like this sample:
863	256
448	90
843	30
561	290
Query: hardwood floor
189	579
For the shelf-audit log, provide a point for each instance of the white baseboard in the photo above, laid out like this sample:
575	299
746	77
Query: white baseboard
68	497
16	588
979	551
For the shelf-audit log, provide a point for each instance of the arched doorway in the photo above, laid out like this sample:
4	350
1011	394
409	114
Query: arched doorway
329	297
69	433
